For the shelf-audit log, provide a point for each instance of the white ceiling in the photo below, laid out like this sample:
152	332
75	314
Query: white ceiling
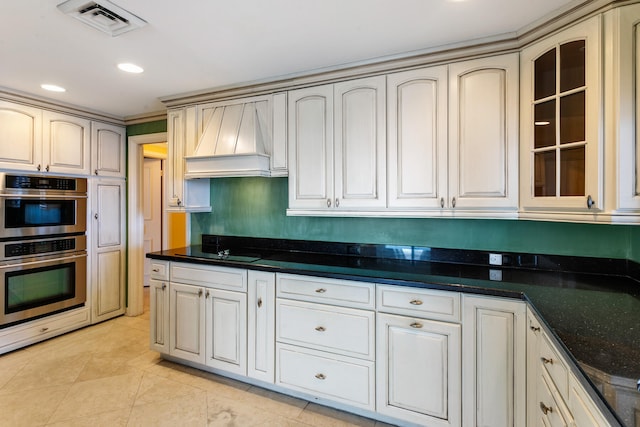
192	45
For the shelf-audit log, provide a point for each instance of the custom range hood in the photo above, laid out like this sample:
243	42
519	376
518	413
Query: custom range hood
235	141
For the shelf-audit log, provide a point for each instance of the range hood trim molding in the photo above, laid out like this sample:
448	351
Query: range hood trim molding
228	165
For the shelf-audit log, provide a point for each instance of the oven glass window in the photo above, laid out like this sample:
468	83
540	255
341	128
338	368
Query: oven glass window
39	213
36	287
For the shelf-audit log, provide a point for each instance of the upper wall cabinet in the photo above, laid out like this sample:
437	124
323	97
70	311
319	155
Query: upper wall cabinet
65	143
623	133
337	147
107	150
483	134
20	136
561	109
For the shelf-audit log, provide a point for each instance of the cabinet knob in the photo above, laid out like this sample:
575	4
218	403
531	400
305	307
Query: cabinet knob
337	203
200	293
545	409
590	202
320	376
95	216
43	330
164	286
328	203
321	290
156	270
206	295
546	361
47	168
320	328
415	302
535	328
39	168
259	302
453	202
179	202
95	172
442	202
416	325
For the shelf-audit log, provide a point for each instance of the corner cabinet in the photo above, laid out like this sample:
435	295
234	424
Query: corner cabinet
561	151
337	147
108	247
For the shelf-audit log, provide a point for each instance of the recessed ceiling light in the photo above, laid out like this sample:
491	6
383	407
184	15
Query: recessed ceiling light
130	68
52	88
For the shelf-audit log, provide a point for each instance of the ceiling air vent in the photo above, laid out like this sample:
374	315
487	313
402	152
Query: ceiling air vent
103	15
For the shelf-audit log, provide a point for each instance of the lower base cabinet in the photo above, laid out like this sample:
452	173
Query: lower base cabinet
418	370
407	356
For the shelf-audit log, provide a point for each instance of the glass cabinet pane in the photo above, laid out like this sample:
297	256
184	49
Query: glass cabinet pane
545	173
572	165
572	121
572	65
545	124
545	75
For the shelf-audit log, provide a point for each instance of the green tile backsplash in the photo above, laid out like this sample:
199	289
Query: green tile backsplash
257	207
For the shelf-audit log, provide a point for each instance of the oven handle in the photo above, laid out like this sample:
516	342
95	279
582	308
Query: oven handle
49	196
20	263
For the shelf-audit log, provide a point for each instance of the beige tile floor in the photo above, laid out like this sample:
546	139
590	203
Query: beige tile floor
105	375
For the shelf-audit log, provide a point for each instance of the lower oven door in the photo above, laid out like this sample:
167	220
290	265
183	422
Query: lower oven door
37	287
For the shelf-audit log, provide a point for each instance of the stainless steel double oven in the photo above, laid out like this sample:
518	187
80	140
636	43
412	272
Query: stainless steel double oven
43	249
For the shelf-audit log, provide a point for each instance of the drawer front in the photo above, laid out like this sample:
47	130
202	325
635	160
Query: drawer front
338	330
551	410
234	279
426	303
345	293
159	269
554	366
341	379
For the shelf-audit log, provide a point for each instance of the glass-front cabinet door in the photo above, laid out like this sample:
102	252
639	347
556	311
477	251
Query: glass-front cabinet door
561	141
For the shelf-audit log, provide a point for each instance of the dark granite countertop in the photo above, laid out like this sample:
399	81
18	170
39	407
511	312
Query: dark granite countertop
595	315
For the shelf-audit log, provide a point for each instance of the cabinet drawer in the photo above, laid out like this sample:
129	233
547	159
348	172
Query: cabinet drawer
338	378
159	269
338	330
344	293
440	305
554	366
551	409
234	279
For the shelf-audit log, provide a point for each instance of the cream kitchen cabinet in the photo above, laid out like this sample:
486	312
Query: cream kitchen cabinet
183	195
108	150
43	141
322	349
208	316
337	147
561	144
159	306
412	326
493	361
261	319
108	247
483	134
556	396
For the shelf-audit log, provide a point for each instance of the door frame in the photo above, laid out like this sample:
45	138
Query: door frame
135	220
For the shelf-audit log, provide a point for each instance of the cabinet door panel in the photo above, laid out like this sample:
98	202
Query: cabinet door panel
410	389
66	145
109	213
417	138
311	147
109	289
360	143
159	315
261	327
484	133
226	330
108	145
20	136
187	317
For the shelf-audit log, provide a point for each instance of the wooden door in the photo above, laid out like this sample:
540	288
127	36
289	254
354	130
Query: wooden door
226	330
187	322
152	210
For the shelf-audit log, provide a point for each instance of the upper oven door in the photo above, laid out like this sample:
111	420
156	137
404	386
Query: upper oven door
38	215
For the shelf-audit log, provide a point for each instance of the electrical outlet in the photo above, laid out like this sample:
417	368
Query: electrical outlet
495	275
495	259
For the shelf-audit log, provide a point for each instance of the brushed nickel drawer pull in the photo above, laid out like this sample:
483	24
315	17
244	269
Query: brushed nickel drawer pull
416	325
545	409
320	376
321	290
415	302
320	328
546	361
